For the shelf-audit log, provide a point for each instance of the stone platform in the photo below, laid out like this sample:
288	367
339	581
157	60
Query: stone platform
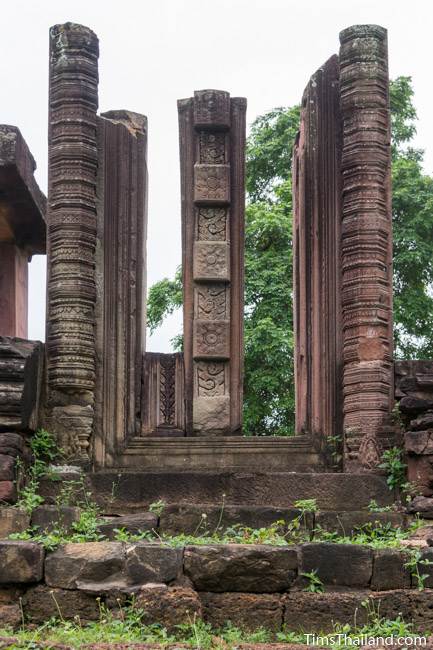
135	490
221	452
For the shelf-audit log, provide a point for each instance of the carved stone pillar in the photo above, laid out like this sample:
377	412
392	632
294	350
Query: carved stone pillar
212	151
121	280
73	161
366	244
316	258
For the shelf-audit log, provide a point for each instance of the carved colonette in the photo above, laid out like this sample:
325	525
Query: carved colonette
212	151
366	244
73	102
316	254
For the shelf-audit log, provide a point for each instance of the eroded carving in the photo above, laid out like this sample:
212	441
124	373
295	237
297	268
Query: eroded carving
211	339
213	148
212	183
212	224
211	379
211	261
212	108
212	302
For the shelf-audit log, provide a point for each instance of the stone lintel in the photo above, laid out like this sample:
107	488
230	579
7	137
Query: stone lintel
22	204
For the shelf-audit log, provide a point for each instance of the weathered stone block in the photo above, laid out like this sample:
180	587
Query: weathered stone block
241	567
177	519
419	442
211	339
338	564
423	422
7	467
152	563
168	606
423	506
211	414
48	518
42	602
21	562
8	491
10	616
133	524
389	571
211	261
309	612
244	610
75	566
13	520
211	109
11	444
212	183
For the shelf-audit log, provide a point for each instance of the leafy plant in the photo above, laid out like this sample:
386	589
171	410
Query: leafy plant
414	562
315	585
44	450
373	506
157	507
392	463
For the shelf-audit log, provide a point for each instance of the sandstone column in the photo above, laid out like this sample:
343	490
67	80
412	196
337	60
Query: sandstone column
316	258
73	102
366	244
121	279
212	154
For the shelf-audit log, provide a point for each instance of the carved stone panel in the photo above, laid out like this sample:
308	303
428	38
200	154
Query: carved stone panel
212	184
162	405
212	339
212	224
212	109
212	147
211	261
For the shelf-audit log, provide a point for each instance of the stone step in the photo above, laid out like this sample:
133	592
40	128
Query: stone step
122	492
210	453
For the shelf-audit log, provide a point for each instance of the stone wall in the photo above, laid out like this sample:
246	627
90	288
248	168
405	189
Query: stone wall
414	394
21	364
250	585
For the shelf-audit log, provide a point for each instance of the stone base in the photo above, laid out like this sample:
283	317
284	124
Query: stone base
294	454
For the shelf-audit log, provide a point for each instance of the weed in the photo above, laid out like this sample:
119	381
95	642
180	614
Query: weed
414	562
157	507
315	585
392	463
373	506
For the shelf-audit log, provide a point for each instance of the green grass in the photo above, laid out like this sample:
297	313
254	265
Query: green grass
126	626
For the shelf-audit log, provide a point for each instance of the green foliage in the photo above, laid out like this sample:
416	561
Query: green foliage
164	298
45	451
315	585
125	625
414	562
373	506
157	507
392	463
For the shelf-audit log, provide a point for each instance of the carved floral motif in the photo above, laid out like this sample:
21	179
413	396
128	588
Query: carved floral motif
212	224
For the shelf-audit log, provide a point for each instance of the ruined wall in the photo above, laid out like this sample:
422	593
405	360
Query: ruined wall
414	394
212	153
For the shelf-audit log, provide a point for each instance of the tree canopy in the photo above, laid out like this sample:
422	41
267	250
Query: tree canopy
269	383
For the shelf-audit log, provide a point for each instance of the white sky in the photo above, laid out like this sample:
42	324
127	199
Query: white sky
153	52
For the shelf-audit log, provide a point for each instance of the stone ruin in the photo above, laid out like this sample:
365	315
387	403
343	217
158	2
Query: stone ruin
144	428
110	403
